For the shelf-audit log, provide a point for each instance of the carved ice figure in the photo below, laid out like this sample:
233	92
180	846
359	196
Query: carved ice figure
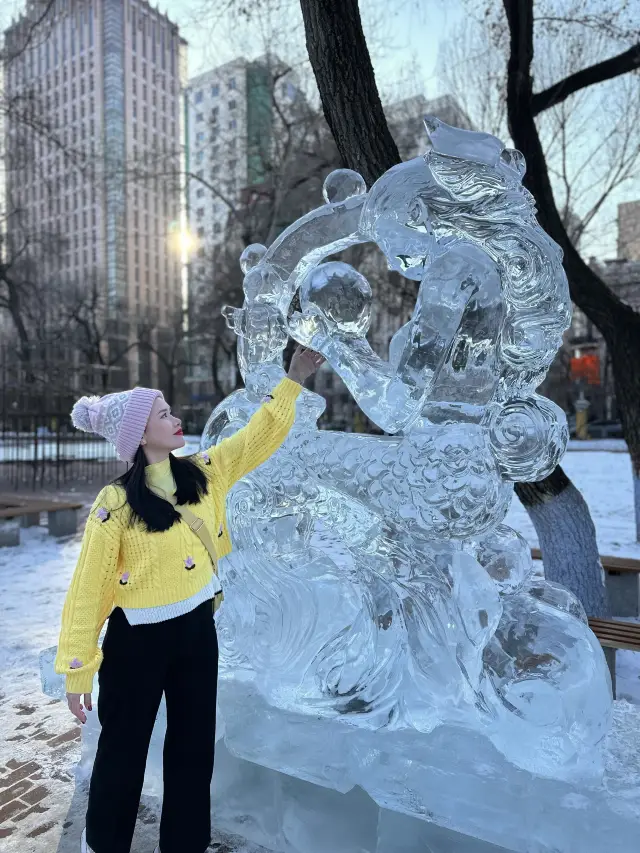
372	579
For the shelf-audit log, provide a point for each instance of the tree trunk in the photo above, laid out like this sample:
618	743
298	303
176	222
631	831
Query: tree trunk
625	358
567	539
344	74
618	322
342	67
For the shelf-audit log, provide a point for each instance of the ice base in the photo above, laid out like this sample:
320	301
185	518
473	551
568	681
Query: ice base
447	792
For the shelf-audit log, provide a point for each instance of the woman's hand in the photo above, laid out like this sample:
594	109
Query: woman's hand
304	363
74	701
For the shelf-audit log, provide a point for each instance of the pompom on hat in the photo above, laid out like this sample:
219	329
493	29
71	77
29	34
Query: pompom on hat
121	418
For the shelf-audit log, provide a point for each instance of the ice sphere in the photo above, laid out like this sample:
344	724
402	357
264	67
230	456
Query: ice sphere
341	294
342	184
506	556
529	437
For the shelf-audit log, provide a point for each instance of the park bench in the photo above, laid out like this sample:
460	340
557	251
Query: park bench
17	512
614	635
622	576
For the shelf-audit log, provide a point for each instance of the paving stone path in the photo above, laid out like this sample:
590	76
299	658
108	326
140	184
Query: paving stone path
41	808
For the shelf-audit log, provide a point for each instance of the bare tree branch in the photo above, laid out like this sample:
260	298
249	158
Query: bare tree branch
623	63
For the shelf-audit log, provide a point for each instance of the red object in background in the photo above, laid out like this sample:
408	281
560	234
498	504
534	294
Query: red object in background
586	367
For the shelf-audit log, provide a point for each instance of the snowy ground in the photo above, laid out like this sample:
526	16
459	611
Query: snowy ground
33	582
605	480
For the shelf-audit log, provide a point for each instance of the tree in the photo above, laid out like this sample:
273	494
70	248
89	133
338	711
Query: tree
340	60
92	330
169	344
590	137
617	321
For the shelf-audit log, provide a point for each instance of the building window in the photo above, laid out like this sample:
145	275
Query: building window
200	192
199	97
214	114
200	136
215	171
200	156
217	228
233	124
232	83
200	233
233	165
215	90
232	104
199	117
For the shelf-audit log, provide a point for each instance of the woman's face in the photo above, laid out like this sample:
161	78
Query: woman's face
164	431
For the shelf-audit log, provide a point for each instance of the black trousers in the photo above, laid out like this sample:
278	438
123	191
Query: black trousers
179	658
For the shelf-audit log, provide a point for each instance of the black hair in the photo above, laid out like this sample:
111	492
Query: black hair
149	509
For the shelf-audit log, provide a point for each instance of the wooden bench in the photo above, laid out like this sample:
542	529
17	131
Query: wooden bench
614	635
622	576
17	512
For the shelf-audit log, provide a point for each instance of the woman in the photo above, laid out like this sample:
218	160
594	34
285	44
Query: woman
148	561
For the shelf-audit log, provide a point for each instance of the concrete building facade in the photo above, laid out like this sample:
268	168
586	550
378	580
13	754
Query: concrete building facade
629	230
94	168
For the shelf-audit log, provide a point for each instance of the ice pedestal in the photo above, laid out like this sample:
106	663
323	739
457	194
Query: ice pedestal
451	779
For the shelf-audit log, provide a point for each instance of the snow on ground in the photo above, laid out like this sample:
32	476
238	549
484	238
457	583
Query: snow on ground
34	579
605	480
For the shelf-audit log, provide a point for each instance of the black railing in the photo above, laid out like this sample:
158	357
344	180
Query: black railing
39	449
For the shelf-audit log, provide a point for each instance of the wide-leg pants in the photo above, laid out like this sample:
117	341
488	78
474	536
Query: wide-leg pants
178	657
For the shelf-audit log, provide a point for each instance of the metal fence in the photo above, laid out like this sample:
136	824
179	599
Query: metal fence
42	449
38	444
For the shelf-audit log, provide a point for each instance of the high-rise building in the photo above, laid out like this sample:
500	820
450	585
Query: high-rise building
93	160
232	136
231	127
629	231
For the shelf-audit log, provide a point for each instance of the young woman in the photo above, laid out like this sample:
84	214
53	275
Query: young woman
148	563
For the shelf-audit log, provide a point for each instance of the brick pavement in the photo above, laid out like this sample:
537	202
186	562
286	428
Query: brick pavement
42	809
40	746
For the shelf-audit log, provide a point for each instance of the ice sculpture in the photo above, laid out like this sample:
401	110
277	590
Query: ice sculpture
372	582
383	629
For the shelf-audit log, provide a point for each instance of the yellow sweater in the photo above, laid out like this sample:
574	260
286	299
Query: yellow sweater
124	566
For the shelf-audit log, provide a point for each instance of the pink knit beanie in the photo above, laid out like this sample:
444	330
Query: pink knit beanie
121	418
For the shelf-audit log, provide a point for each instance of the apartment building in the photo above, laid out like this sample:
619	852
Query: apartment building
94	161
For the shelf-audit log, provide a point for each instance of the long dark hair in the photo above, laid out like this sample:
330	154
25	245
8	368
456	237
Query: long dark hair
149	509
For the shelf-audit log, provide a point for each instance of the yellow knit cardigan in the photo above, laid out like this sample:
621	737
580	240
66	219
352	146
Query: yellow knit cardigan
124	566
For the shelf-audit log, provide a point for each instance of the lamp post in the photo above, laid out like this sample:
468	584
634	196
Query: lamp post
582	417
